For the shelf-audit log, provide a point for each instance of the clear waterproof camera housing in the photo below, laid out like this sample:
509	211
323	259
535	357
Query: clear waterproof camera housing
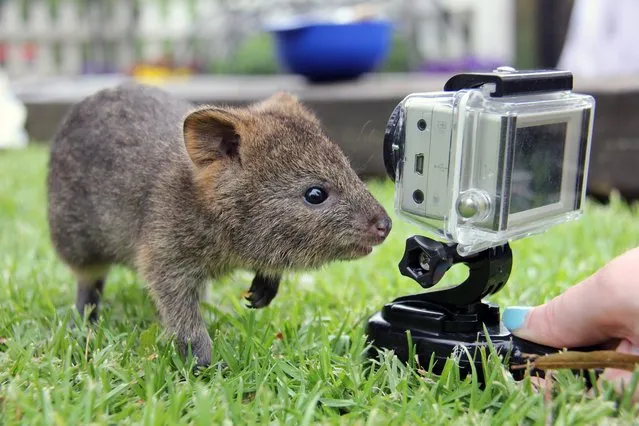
503	157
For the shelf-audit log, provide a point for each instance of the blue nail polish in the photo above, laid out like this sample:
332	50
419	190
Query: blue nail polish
514	316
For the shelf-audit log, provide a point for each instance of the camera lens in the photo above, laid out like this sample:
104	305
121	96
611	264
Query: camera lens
393	142
421	124
418	196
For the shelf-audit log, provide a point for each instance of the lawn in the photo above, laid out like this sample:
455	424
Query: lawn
296	362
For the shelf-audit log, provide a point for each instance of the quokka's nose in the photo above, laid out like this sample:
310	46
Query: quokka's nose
382	226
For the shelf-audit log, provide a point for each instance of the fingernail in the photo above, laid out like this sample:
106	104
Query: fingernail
514	317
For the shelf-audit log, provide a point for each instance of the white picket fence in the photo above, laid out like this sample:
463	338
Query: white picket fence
73	37
52	37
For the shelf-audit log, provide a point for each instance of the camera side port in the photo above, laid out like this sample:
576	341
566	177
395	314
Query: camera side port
419	164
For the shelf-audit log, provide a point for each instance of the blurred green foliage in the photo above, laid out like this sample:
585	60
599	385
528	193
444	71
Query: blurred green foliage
398	59
255	56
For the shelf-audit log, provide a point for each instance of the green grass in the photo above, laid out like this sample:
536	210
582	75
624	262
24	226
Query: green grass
296	362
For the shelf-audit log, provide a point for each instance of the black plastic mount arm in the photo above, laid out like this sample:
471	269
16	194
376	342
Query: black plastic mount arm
426	261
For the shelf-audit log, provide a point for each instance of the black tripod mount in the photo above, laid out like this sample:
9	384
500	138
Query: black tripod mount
441	322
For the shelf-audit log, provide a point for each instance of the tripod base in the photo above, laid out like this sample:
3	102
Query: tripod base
453	322
388	329
437	334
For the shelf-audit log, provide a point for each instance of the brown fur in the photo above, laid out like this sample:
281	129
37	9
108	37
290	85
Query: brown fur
182	194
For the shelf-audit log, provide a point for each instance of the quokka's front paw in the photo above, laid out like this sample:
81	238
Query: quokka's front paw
262	292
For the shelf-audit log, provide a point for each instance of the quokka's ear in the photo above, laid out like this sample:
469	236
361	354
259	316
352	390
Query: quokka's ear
212	134
282	98
279	100
286	102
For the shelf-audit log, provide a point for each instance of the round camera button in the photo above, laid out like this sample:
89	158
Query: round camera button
505	69
467	207
473	204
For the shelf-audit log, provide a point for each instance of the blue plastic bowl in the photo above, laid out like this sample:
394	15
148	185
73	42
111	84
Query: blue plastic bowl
325	52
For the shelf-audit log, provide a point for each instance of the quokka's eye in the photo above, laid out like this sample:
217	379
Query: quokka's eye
315	195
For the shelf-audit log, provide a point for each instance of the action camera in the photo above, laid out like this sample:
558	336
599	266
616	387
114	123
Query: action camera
480	166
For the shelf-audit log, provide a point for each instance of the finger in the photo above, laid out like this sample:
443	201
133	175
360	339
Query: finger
622	379
538	383
602	307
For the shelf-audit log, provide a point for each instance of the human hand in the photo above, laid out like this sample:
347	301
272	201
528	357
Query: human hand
601	310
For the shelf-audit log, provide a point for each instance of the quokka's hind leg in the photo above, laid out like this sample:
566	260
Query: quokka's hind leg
90	286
